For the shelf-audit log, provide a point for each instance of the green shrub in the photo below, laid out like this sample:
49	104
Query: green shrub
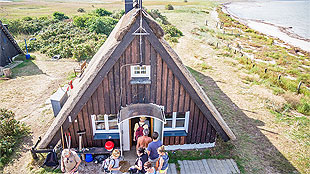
156	15
102	25
304	106
172	31
11	132
80	10
118	14
169	7
59	16
102	12
27	18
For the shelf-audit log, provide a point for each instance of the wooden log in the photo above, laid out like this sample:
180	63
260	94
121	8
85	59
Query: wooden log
153	57
171	141
81	127
170	91
101	99
106	94
87	126
191	121
182	140
181	99
117	83
195	125
175	96
204	129
94	100
199	130
127	78
112	92
164	85
159	82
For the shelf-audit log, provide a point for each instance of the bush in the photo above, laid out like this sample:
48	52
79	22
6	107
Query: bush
156	15
81	10
102	12
102	25
11	132
169	7
304	106
60	16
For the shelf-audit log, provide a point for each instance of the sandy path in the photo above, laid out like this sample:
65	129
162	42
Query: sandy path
27	94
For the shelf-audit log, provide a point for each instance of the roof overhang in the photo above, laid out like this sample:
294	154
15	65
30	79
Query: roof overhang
141	109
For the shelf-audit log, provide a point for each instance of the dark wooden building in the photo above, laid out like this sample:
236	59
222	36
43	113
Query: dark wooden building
136	73
8	46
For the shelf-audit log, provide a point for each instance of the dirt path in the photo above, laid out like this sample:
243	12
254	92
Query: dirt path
27	94
261	142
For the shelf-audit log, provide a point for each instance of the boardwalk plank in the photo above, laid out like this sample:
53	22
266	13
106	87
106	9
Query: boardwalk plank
173	169
206	166
201	167
222	167
226	166
235	165
186	167
216	166
191	166
182	167
211	165
231	167
196	166
169	169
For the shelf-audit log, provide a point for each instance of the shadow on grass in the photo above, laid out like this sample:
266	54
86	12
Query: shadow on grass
27	68
252	149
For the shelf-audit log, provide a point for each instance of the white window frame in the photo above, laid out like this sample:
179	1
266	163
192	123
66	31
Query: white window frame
147	74
106	122
174	121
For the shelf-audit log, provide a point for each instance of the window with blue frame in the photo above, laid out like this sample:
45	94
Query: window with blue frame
105	126
176	124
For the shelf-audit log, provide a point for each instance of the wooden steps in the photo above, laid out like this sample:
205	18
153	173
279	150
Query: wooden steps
205	166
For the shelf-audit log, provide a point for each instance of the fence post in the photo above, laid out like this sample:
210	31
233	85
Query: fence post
298	88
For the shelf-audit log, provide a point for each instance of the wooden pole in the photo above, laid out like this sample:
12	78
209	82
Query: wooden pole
62	137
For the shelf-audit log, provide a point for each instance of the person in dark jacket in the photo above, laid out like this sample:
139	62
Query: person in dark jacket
139	164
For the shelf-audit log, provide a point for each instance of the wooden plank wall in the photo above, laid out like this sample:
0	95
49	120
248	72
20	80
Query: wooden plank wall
115	91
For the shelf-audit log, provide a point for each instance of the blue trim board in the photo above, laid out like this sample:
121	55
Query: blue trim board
175	133
104	136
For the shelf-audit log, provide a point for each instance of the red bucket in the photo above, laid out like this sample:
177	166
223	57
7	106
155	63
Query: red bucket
109	145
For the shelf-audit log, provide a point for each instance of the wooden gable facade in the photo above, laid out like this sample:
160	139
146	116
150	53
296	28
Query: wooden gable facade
106	88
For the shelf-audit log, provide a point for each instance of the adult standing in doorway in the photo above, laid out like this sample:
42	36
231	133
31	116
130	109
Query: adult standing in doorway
152	148
70	161
144	140
139	127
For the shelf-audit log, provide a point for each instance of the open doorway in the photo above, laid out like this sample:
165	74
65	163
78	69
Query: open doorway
133	121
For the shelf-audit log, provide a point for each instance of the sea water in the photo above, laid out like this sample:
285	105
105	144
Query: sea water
294	14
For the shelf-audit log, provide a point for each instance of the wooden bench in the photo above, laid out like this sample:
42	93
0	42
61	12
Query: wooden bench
80	69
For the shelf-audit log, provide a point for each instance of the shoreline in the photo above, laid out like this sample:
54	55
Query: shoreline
282	33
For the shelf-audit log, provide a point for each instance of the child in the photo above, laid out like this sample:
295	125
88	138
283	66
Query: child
141	160
148	168
114	162
163	160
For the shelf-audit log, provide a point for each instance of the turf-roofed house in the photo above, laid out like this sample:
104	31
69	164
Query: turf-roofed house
8	46
136	73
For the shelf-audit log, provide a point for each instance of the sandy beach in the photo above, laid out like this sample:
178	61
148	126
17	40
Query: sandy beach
282	33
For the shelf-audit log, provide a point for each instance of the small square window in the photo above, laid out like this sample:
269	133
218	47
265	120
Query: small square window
138	71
